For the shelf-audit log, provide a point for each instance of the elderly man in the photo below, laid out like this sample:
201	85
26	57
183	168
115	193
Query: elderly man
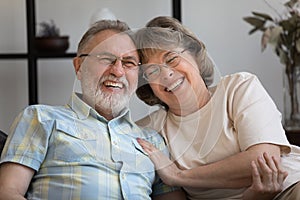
86	149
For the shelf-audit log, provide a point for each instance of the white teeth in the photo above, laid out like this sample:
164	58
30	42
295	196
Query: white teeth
175	85
113	84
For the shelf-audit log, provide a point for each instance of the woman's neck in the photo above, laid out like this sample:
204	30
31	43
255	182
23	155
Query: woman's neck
191	106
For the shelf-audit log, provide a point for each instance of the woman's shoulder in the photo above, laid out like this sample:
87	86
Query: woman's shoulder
239	77
235	80
154	119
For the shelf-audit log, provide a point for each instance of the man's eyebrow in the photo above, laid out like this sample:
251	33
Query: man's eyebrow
105	53
130	57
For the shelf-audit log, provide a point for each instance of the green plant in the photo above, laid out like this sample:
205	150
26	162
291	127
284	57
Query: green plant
283	34
48	29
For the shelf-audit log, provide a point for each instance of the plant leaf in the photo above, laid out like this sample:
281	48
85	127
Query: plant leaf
282	56
257	23
254	21
263	15
298	45
291	3
253	30
265	39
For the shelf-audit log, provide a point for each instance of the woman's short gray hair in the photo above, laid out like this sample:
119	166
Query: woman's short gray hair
167	33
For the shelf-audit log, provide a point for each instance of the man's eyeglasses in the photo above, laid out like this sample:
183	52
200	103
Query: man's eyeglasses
152	71
107	59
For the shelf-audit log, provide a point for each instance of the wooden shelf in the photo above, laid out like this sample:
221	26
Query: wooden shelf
39	55
55	55
31	56
13	56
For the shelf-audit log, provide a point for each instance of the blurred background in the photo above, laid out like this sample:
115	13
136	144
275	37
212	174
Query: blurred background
219	23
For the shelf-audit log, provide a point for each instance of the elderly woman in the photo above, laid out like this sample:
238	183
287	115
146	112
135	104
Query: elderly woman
214	130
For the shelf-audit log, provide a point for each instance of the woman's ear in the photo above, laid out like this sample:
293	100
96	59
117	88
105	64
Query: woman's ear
77	63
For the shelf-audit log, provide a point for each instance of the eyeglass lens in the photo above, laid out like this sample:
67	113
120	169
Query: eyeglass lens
152	71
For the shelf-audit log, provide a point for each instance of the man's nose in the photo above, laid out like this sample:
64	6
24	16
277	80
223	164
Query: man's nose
117	68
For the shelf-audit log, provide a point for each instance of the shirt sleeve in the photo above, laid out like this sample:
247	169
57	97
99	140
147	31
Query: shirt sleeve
28	141
255	115
160	188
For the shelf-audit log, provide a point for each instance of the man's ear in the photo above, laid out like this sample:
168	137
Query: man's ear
77	63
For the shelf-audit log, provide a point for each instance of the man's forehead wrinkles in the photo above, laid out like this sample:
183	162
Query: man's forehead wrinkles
121	48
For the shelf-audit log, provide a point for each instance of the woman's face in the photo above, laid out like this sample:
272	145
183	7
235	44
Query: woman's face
177	80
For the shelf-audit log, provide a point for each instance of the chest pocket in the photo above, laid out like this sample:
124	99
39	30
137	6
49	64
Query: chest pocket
72	143
143	162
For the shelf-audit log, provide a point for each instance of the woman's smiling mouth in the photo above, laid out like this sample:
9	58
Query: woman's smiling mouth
175	85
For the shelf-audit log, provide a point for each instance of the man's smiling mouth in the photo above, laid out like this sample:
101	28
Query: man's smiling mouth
113	84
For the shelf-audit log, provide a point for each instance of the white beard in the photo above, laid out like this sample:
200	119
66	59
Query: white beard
112	103
116	102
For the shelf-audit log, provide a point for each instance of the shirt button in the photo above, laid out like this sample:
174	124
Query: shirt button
123	176
115	142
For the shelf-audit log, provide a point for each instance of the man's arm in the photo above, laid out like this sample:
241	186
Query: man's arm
14	181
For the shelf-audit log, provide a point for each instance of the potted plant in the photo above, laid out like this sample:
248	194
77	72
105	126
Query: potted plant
49	39
283	34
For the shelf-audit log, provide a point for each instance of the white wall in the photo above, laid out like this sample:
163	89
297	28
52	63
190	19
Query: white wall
217	22
220	25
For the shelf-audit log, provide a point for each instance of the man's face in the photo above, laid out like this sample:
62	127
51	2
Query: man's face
109	73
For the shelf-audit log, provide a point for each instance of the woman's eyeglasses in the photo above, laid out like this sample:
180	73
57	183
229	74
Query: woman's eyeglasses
152	71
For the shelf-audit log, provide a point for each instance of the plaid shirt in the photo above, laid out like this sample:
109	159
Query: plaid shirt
78	154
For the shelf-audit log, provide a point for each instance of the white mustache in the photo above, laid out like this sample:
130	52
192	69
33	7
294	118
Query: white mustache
110	77
122	80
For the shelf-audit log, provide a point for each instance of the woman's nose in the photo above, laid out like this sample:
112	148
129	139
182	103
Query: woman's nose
166	72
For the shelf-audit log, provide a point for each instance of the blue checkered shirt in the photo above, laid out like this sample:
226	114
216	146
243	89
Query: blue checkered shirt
78	154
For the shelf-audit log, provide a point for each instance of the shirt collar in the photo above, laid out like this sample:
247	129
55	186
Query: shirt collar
83	110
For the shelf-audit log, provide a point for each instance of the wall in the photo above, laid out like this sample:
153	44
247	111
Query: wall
217	22
220	25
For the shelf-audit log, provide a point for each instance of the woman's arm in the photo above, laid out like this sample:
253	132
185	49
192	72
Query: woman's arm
14	181
267	179
231	172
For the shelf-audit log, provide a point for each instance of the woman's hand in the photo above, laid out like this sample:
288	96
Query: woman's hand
267	179
166	169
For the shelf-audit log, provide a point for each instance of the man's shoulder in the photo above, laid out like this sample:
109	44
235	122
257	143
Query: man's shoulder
44	112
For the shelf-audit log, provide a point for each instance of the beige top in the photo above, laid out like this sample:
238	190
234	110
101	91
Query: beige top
239	115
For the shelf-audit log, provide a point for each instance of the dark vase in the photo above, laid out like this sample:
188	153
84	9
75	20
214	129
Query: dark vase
52	44
292	99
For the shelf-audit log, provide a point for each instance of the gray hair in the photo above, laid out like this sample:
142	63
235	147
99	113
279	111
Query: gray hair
167	33
99	26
